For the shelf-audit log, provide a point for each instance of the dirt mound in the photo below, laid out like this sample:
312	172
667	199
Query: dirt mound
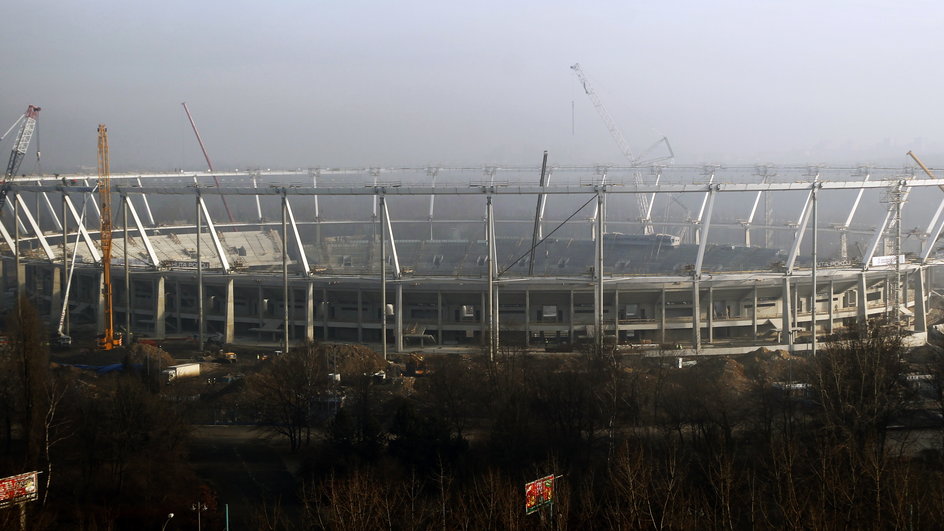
353	360
140	353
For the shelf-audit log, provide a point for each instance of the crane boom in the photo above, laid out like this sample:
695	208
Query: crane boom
641	199
22	141
209	164
20	146
108	340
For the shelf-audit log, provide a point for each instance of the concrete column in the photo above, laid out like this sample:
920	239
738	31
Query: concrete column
711	314
886	295
3	277
260	311
360	315
527	318
229	326
177	305
324	311
904	288
439	317
496	319
662	317
754	314
862	305
616	314
832	295
786	325
399	318
483	322
570	318
100	303
160	311
310	312
55	295
920	307
20	267
291	314
696	316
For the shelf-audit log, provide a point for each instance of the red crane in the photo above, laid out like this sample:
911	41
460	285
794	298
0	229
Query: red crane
209	164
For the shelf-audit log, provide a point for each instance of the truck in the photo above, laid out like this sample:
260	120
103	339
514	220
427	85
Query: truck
184	370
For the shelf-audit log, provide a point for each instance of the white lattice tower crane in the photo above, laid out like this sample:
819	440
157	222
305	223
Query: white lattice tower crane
641	199
20	146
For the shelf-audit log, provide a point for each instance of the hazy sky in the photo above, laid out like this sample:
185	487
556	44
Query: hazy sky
286	84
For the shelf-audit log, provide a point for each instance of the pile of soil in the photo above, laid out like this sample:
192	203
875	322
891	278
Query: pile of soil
139	353
352	360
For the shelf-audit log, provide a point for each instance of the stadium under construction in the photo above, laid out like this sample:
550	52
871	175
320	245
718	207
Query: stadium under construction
702	259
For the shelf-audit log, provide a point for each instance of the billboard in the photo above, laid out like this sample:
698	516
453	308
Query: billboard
878	261
18	489
538	493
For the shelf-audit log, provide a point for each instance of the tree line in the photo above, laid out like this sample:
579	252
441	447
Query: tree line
790	442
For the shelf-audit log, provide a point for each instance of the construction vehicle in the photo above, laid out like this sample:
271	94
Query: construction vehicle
110	339
416	365
23	138
184	370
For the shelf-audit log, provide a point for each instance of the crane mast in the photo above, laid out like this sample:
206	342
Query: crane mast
20	146
109	339
641	199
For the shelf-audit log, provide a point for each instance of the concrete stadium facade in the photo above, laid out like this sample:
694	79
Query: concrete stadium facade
449	279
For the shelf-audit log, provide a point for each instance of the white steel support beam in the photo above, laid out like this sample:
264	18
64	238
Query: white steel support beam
220	253
35	226
81	225
928	242
931	241
152	256
94	201
52	210
314	184
855	204
255	184
652	198
15	215
432	173
147	206
6	236
798	237
306	268
877	237
703	240
393	242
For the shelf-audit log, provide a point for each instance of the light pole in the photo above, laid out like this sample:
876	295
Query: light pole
170	516
199	508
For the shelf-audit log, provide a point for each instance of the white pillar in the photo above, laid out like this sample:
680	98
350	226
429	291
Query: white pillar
160	311
787	315
230	313
310	312
920	307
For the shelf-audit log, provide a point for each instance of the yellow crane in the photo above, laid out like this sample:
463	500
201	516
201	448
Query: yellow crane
109	339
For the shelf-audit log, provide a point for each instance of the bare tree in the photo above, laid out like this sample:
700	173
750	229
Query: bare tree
289	392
